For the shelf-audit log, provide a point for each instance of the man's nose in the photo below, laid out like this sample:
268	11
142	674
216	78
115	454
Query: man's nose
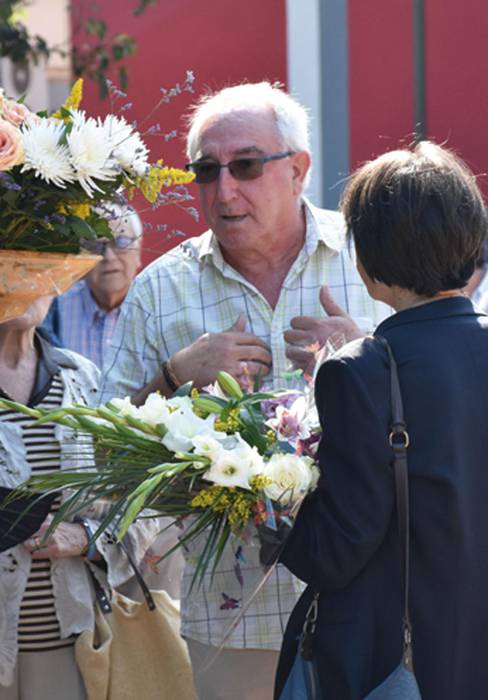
226	185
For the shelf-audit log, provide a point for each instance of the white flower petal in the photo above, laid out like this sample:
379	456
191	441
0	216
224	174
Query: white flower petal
91	153
43	153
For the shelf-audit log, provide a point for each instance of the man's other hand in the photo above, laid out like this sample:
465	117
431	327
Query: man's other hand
308	333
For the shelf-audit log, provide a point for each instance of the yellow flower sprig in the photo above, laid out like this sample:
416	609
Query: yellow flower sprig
237	503
79	209
231	423
72	101
159	176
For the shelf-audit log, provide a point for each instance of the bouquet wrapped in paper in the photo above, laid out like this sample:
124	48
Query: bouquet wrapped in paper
59	174
219	461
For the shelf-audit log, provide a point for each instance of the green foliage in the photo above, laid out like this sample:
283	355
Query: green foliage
93	60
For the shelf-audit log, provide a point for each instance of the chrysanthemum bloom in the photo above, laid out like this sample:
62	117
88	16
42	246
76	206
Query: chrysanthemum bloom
91	152
43	153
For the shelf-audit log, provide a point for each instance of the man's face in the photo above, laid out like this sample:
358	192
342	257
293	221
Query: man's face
247	214
113	275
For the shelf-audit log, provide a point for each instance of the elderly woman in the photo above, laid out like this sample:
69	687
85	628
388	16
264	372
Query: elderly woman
45	593
418	223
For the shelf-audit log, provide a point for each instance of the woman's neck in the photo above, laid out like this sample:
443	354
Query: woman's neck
16	346
405	299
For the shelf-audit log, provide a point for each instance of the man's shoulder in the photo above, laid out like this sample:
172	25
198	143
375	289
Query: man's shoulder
72	295
188	252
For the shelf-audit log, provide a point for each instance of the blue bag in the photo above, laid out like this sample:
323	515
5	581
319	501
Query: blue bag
303	682
400	685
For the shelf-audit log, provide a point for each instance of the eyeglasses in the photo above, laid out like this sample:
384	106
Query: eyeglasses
240	168
119	244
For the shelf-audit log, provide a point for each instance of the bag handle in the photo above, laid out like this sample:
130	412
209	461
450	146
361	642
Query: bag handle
101	595
399	441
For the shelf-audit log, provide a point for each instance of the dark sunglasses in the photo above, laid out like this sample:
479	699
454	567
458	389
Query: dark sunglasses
98	246
241	168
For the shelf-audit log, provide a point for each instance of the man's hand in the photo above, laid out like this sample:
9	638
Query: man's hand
308	331
234	351
67	540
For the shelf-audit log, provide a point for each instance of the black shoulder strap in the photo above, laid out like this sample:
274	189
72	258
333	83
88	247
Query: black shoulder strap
101	595
399	441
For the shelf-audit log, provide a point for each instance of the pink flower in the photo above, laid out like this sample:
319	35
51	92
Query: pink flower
11	148
14	112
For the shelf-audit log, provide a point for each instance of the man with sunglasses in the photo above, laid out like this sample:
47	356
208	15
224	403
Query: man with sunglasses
83	319
246	297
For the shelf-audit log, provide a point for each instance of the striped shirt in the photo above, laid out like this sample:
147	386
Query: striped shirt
38	628
189	291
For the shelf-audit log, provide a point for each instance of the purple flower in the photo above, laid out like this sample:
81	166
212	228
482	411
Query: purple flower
269	406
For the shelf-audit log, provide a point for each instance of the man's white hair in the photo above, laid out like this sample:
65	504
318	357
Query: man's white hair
291	117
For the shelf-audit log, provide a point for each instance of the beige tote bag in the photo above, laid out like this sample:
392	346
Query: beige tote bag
135	651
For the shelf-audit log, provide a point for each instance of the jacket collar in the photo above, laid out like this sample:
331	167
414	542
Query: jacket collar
53	358
434	310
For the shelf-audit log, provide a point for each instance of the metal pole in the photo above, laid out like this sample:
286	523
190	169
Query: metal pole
420	117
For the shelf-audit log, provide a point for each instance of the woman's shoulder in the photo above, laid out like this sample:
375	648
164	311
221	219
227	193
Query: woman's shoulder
359	355
80	366
362	361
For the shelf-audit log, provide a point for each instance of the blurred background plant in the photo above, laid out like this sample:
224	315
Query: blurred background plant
101	52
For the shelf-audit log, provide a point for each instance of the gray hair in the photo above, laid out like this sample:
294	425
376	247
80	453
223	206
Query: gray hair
291	117
113	211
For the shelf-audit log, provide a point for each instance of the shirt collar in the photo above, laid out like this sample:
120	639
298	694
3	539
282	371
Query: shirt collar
323	226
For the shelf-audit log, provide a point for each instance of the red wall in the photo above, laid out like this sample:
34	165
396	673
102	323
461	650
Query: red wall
457	80
222	42
380	77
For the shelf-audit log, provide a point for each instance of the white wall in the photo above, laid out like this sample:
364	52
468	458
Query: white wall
304	77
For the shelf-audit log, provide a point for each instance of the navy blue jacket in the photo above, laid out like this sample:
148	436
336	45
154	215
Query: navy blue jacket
345	542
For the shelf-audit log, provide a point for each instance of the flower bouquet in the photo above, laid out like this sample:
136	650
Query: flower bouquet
58	175
225	458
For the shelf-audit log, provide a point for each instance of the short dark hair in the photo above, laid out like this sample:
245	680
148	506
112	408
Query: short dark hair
417	219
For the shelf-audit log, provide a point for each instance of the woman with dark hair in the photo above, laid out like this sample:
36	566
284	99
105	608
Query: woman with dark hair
418	224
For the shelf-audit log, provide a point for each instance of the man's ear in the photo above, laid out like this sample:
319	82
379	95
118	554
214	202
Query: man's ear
301	165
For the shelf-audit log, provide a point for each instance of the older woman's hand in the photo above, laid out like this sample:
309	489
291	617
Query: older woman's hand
67	540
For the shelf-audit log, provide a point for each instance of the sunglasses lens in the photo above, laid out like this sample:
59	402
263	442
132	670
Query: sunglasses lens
246	168
206	172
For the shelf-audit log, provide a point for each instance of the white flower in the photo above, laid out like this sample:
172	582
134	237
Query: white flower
292	477
183	426
155	409
125	407
207	446
129	150
91	152
229	470
44	154
248	455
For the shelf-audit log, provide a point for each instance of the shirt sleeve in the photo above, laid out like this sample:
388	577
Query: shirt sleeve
342	524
